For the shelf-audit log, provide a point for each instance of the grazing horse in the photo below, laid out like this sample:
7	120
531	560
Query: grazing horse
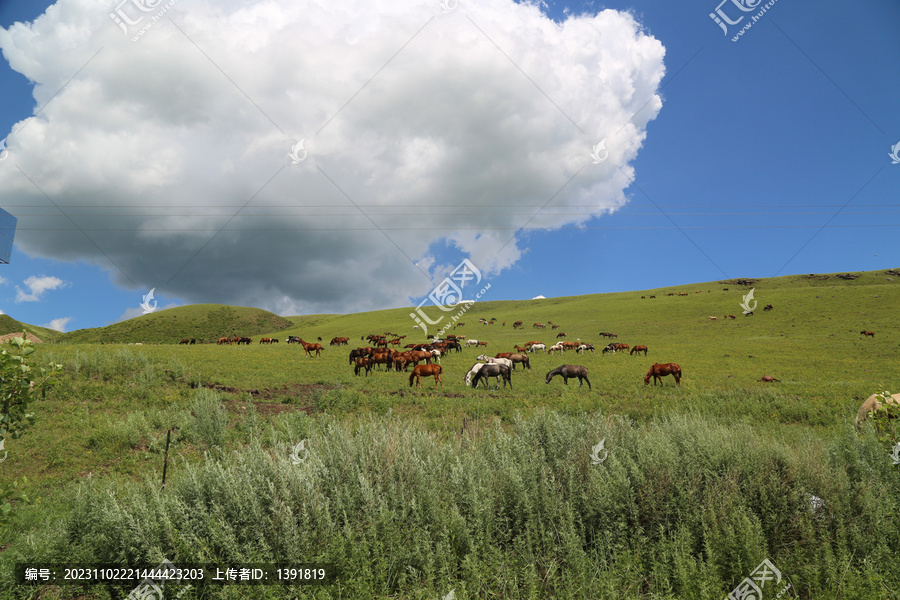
584	347
658	371
363	363
475	368
471	343
382	358
559	335
768	379
317	348
520	348
568	371
873	403
500	360
768	307
867	333
185	341
535	346
555	348
493	370
639	349
426	371
520	358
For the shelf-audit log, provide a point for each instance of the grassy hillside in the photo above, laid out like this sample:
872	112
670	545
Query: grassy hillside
413	492
204	322
10	325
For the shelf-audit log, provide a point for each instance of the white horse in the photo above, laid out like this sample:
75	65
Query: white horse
471	343
475	368
499	361
584	347
536	347
555	348
437	355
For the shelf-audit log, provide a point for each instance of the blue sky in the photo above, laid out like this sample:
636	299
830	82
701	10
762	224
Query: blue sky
759	157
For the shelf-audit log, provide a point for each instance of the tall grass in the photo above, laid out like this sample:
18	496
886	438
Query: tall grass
680	508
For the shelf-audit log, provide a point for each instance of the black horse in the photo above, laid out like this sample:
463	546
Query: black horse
492	370
570	371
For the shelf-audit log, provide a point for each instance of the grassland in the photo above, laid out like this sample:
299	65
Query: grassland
452	488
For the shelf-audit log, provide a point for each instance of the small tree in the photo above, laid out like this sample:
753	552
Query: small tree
20	384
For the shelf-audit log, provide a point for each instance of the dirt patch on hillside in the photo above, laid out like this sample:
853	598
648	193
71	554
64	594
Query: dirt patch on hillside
30	336
290	397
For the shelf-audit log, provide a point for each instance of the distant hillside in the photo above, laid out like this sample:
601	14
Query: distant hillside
10	325
203	322
855	301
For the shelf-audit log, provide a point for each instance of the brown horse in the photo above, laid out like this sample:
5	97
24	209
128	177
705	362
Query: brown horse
658	371
520	358
317	348
426	371
867	333
639	349
363	363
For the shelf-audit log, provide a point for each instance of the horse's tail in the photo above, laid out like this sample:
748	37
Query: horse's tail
411	377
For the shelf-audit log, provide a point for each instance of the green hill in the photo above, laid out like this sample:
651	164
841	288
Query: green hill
811	308
203	322
10	325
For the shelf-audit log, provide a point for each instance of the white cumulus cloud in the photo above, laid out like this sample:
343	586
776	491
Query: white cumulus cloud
166	159
58	324
37	286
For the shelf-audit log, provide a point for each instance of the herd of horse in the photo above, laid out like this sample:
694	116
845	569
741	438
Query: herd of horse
366	359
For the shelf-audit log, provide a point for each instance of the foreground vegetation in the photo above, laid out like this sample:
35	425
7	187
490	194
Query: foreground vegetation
412	493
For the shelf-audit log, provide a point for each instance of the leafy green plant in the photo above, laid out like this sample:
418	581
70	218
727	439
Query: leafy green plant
17	390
